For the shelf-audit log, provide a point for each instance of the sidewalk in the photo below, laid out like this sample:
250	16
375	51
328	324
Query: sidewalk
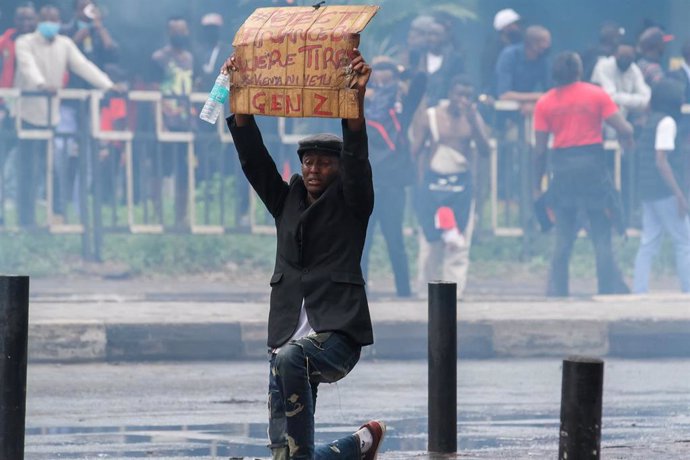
139	320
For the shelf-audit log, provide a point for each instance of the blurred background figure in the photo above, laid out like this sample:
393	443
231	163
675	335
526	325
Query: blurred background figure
622	79
441	61
508	27
445	193
174	64
93	39
210	51
610	35
682	74
522	71
25	21
43	58
574	113
416	41
661	182
389	110
651	47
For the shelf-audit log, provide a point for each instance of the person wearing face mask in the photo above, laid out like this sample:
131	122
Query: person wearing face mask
174	63
622	79
210	51
389	110
43	58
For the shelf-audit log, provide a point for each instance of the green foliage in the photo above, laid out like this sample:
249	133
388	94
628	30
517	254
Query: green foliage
178	254
38	254
43	254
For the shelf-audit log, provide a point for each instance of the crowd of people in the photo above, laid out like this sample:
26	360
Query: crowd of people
426	120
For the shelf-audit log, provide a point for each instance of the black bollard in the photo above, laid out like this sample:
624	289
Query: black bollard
14	324
443	358
581	397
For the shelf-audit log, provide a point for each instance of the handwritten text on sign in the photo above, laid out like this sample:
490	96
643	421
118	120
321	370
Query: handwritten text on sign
295	61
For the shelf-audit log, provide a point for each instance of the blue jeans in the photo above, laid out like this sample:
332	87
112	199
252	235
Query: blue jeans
659	216
295	374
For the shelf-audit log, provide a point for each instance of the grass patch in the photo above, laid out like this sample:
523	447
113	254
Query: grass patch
44	254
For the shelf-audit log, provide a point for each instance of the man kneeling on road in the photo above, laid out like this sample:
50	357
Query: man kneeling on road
319	316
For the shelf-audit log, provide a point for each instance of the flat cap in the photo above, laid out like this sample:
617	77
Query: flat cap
329	144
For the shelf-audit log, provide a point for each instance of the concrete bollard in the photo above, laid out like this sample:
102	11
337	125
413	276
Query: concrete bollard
443	338
581	401
14	331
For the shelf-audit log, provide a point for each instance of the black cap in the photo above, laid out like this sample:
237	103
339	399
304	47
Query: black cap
328	144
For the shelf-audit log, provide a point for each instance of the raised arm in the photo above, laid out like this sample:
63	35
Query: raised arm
362	73
256	162
358	186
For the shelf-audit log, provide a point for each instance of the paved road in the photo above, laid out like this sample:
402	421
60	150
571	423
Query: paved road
508	409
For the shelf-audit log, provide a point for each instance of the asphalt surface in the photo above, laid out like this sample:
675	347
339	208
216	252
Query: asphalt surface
507	409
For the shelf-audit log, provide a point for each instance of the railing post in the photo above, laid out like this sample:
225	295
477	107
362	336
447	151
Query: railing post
581	401
443	367
14	321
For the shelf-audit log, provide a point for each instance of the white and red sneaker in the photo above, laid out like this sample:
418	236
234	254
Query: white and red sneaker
378	431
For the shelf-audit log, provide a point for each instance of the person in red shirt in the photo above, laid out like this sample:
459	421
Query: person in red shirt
25	21
574	113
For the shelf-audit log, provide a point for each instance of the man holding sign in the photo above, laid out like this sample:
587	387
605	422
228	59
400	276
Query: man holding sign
319	316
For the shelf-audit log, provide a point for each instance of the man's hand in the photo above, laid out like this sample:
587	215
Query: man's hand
119	88
230	66
361	71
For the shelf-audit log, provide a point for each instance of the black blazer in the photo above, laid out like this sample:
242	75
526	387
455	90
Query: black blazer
319	246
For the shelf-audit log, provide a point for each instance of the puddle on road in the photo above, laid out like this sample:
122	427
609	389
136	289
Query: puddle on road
239	440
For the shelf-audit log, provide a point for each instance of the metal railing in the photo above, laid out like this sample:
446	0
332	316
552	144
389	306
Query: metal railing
140	168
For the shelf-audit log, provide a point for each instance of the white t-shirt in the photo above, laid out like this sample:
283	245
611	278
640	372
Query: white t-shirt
666	134
303	327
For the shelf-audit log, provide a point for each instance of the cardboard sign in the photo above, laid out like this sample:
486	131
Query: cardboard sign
295	61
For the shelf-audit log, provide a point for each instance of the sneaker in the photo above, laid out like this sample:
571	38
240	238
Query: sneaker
378	432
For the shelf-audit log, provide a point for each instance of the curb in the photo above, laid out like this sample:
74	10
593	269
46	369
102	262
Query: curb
94	341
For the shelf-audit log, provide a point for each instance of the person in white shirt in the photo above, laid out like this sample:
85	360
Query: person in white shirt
43	58
660	181
622	79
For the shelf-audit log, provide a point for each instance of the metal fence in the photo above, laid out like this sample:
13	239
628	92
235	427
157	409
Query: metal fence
120	170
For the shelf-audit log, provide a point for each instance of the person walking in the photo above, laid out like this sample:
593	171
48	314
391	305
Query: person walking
660	184
444	198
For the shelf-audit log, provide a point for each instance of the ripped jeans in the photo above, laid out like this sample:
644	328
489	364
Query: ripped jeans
295	373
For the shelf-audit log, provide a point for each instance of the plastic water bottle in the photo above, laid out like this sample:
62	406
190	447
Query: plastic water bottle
216	99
